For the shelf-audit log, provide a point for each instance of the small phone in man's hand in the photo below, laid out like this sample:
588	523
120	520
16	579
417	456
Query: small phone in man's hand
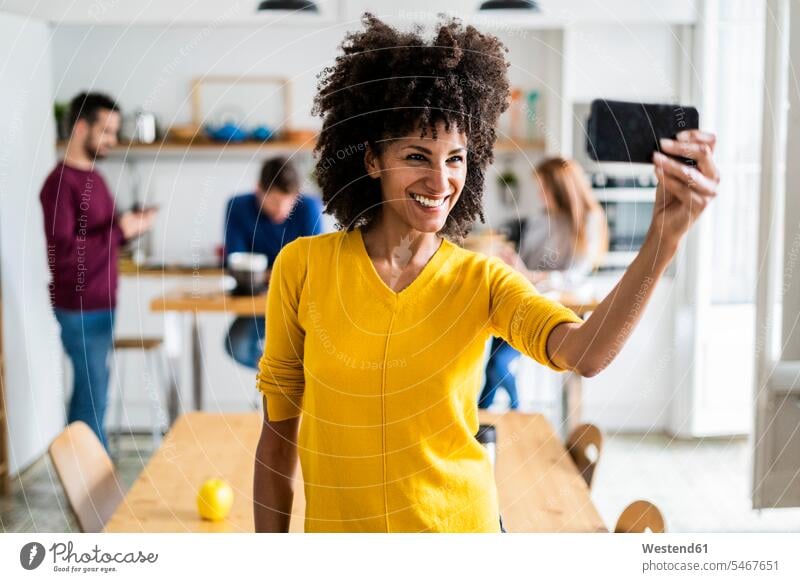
138	208
620	131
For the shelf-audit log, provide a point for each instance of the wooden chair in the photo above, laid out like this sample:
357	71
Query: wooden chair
585	443
87	475
639	517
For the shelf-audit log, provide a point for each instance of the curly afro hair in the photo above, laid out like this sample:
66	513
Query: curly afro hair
388	84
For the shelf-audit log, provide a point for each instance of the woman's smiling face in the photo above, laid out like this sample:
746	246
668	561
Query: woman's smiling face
421	177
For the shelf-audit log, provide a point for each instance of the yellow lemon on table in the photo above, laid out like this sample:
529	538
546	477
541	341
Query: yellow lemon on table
215	499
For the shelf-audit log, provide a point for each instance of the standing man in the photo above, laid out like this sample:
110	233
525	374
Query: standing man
263	222
84	234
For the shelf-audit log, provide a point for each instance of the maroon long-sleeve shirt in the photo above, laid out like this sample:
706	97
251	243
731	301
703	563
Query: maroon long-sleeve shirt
83	239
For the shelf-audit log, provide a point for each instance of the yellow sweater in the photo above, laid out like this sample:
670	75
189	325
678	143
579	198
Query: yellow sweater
387	382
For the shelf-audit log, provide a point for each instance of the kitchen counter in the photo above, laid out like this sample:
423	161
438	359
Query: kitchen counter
128	267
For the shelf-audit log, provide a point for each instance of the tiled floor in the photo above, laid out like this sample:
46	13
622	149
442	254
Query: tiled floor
700	485
37	503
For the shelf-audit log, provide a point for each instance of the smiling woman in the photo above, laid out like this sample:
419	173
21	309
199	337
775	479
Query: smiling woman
375	334
389	84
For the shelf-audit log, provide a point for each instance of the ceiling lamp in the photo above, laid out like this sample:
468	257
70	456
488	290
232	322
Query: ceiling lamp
293	5
510	5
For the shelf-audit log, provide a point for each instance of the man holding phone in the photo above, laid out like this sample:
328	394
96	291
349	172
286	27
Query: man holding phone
84	234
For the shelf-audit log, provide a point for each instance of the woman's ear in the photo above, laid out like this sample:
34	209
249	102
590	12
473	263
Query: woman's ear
371	163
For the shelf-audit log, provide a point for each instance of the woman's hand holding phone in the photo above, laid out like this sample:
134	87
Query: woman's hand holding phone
682	195
684	191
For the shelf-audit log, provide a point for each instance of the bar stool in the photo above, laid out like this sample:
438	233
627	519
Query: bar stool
153	351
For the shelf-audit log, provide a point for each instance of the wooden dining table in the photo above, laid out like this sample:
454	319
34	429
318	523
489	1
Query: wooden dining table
539	487
193	303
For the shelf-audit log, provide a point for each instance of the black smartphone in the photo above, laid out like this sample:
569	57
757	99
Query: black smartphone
139	208
619	131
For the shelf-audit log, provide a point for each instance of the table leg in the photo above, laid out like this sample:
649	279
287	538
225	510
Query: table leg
197	364
173	397
173	340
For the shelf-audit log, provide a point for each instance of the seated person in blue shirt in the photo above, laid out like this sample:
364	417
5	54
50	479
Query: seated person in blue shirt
262	222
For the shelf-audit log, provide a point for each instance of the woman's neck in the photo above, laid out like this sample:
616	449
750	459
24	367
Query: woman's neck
399	245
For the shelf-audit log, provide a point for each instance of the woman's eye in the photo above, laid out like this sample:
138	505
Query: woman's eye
421	158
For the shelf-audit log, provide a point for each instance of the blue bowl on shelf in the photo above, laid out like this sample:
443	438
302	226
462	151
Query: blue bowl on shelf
227	132
262	133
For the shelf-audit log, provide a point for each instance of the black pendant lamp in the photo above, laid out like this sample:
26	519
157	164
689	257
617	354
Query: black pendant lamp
292	5
510	5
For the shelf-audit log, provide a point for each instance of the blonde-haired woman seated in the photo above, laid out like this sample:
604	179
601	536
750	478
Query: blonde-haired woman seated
563	243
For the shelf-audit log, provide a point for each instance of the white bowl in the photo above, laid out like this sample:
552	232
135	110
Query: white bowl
250	262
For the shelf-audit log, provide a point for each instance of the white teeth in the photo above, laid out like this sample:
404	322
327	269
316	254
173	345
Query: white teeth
427	201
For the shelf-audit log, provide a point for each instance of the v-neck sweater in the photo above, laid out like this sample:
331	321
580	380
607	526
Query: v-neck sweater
386	382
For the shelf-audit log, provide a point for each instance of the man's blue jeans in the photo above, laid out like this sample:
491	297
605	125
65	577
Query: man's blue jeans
88	337
245	340
498	374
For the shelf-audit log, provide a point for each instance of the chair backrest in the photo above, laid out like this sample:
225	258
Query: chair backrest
585	443
87	475
639	517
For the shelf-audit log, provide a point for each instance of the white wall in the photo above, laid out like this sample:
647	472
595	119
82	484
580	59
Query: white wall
152	66
30	334
624	61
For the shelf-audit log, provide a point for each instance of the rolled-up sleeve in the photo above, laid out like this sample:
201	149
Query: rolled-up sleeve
280	370
520	315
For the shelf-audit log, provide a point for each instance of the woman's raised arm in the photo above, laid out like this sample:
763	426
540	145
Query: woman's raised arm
683	193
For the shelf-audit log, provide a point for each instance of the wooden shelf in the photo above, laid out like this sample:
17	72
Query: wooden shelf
214	149
519	146
206	148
